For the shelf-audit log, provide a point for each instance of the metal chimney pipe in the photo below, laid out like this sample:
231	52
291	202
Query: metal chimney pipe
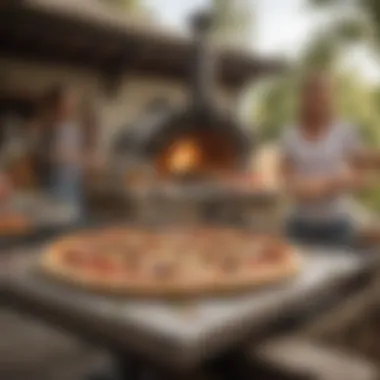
203	65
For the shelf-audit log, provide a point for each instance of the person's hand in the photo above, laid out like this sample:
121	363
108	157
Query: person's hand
366	180
322	187
354	181
342	182
312	188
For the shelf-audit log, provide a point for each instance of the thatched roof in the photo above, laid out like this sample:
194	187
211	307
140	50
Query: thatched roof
90	33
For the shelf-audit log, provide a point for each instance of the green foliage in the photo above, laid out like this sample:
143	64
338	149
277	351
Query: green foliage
321	54
352	29
129	6
233	20
358	20
357	102
320	3
371	198
276	106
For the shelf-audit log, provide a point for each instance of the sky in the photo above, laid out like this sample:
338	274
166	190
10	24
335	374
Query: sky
282	28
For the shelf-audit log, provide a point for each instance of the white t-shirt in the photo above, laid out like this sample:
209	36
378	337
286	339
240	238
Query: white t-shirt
326	157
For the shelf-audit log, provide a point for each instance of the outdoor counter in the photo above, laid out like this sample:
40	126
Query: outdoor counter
178	335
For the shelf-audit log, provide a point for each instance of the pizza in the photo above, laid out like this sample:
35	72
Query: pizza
183	261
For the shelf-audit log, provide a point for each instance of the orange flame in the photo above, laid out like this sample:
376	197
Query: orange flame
185	156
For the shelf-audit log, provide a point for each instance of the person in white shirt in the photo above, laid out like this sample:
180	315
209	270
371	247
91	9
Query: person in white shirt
323	160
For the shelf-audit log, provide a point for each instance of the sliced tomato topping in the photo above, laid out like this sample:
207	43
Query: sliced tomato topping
104	264
267	255
77	257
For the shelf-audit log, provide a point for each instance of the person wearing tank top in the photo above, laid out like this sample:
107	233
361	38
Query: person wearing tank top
322	158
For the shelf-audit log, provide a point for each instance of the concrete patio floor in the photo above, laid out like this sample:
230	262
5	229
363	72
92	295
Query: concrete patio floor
30	350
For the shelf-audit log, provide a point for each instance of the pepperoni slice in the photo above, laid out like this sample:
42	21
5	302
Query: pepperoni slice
268	255
104	265
77	256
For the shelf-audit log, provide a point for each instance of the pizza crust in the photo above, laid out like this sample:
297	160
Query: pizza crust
220	283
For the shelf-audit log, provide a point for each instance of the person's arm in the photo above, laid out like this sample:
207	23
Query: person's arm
366	159
363	161
359	156
304	189
308	189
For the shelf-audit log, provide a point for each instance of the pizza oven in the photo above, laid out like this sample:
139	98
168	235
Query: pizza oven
181	164
197	141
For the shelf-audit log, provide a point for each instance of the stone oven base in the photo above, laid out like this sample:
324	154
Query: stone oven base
193	205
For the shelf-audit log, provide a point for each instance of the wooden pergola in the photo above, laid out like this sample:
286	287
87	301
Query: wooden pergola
91	35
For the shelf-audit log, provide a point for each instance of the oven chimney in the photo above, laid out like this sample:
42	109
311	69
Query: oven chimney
203	63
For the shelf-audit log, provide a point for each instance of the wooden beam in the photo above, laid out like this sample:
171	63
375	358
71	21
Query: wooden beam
102	36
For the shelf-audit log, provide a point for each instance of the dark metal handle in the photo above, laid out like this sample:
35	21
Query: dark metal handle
202	73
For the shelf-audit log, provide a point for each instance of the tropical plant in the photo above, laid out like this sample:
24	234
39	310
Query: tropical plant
355	20
274	106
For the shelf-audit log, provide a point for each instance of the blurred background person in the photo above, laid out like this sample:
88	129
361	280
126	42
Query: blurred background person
61	149
322	161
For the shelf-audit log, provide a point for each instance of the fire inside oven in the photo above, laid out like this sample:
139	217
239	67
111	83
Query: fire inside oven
196	153
199	139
